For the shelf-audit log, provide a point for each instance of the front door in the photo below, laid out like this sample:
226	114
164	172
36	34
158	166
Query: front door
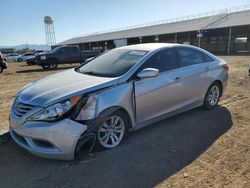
159	95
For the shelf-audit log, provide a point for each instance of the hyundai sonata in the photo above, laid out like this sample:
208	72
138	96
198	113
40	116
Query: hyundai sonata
124	89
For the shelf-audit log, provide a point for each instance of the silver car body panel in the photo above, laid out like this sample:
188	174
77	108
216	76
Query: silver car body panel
145	100
62	86
119	96
61	135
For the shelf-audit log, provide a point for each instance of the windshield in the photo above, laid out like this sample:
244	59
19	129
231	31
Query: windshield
114	63
56	49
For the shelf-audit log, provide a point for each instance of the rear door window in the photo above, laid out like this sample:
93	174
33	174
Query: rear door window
163	60
188	57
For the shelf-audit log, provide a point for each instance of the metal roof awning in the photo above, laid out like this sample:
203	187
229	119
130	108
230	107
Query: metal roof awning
205	21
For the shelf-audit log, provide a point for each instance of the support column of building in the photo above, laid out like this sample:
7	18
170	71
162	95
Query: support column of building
140	38
229	40
189	38
175	38
106	46
156	38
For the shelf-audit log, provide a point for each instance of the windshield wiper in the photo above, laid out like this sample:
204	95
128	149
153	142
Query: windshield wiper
77	69
92	73
89	73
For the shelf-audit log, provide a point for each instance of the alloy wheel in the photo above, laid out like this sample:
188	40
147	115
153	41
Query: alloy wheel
111	132
214	94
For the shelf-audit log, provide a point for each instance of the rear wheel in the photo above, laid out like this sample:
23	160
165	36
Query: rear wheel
1	69
212	96
19	60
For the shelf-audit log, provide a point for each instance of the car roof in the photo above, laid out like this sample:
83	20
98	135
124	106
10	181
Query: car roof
149	46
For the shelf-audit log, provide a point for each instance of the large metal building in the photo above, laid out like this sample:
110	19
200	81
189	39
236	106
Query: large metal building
224	31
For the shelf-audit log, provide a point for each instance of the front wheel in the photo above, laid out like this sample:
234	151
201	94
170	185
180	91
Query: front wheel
212	96
1	69
45	67
52	63
111	130
19	60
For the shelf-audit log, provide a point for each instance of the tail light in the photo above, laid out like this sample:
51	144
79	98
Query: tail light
226	67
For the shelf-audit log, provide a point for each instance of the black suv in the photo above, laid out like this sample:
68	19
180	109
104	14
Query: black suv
3	64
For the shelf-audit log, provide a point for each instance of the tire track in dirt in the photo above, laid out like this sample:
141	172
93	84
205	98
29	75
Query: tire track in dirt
234	101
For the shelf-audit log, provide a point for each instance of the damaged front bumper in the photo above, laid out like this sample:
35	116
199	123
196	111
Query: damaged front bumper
55	140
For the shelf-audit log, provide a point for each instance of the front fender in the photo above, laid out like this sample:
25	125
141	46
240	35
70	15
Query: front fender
118	96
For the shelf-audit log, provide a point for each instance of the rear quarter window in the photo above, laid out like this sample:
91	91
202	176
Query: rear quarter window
207	58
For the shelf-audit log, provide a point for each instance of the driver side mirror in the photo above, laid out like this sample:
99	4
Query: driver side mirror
148	73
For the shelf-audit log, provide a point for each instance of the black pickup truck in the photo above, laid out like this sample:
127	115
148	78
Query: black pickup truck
64	55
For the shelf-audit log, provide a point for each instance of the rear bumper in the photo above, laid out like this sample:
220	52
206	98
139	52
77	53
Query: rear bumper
55	140
224	83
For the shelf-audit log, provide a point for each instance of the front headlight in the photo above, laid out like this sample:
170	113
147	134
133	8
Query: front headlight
55	111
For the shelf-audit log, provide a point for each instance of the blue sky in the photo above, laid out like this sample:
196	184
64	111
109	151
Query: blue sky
21	21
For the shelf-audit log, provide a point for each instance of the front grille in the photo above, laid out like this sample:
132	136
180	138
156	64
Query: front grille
20	108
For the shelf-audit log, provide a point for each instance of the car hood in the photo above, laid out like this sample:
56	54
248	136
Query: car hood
61	86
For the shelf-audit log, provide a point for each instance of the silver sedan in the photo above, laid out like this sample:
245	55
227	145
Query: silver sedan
124	89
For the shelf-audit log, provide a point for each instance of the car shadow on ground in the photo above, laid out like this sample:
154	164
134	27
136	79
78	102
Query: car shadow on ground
145	158
39	69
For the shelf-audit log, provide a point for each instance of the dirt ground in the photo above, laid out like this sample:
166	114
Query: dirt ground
194	149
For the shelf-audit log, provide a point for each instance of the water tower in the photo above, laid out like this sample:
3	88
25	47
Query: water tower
49	31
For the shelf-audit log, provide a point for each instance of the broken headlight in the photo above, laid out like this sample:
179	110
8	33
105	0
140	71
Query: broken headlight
54	112
87	110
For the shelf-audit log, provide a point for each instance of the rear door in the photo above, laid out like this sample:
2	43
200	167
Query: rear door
193	74
62	55
74	55
159	95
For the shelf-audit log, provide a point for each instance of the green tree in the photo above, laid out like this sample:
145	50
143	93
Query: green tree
23	50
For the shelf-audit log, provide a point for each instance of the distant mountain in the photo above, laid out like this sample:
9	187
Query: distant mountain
31	46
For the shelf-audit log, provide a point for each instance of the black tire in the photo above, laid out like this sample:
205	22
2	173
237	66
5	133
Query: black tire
45	67
1	69
211	99
85	140
52	63
105	117
19	60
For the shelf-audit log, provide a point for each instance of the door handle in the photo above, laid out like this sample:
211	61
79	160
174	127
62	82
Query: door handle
177	79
